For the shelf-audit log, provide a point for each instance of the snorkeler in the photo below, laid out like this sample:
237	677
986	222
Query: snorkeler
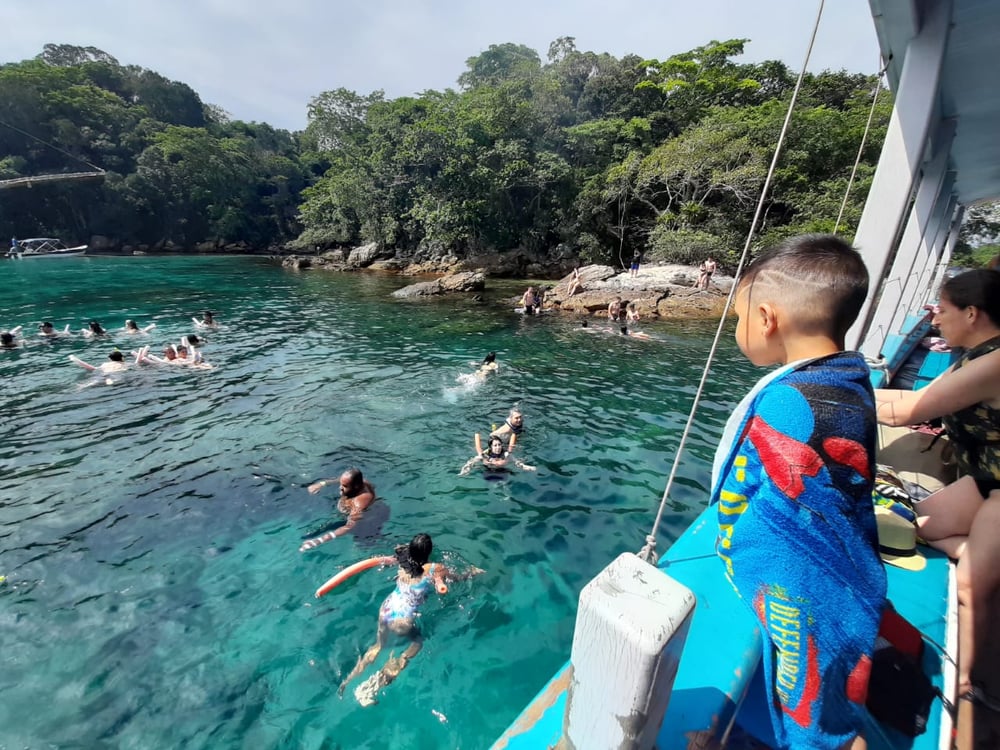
399	612
8	339
495	456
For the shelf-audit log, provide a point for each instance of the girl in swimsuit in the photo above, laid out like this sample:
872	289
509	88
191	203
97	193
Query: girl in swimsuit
398	613
495	456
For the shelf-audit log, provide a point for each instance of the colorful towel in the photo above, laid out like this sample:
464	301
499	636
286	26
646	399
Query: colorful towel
793	480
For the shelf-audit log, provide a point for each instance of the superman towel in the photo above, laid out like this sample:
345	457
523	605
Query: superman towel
793	480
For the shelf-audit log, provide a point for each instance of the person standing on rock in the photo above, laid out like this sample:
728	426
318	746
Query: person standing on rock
707	269
634	268
530	301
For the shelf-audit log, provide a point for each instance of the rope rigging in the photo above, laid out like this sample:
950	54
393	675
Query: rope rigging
861	148
29	181
648	551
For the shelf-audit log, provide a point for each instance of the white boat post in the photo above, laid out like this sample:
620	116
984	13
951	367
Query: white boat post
631	626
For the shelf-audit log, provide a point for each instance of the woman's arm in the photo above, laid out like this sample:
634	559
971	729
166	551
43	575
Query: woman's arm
468	465
523	466
975	381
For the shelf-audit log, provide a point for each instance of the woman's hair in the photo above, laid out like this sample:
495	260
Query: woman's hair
489	358
193	340
208	314
116	356
413	556
979	288
130	324
96	327
46	324
489	444
6	339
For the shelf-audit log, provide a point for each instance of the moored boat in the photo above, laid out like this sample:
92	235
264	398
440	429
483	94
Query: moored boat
43	247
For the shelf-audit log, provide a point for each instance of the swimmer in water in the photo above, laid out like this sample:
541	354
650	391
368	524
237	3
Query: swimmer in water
93	329
487	366
47	330
495	456
399	613
131	327
356	495
207	321
8	339
115	363
513	426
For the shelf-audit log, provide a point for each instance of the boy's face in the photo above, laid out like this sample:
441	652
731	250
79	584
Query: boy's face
752	328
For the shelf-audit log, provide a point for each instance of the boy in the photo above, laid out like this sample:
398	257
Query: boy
793	478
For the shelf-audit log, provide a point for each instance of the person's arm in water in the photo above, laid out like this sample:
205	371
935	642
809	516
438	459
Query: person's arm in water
467	467
443	574
355	508
315	487
77	361
523	466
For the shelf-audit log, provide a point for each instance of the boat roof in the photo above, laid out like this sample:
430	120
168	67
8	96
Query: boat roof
967	92
40	239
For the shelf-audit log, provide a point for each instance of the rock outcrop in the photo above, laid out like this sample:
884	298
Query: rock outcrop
466	281
660	291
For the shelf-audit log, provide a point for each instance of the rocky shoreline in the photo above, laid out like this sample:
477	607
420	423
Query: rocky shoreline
658	291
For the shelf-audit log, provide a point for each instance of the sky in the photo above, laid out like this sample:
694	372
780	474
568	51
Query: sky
265	61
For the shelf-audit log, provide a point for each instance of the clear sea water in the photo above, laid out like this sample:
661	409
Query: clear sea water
155	596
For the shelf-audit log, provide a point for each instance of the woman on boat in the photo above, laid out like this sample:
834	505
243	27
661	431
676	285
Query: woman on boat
963	518
400	610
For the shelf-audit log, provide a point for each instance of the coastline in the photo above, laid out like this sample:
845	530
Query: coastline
661	291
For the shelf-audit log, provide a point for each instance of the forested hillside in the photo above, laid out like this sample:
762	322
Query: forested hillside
583	154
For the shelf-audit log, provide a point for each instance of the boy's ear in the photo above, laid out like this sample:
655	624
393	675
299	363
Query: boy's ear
767	317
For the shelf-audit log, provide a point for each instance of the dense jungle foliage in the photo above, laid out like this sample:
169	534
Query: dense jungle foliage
583	154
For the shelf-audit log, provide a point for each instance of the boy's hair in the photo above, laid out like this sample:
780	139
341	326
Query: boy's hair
819	279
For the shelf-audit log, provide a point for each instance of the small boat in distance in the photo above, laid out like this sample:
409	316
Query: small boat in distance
43	247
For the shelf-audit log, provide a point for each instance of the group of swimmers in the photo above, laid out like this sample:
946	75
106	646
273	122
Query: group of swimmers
183	353
416	576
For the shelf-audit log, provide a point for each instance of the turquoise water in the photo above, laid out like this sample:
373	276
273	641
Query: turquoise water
149	529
